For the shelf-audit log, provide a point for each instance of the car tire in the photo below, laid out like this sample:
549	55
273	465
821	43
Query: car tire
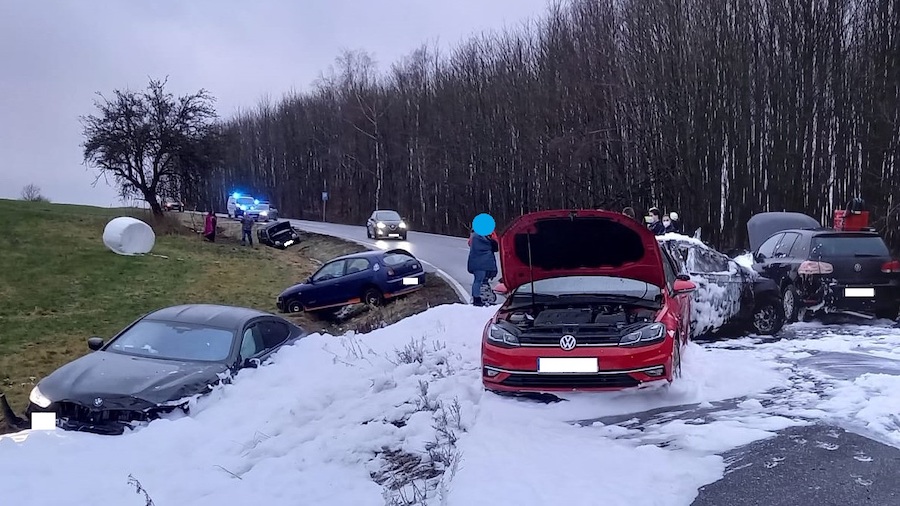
789	304
368	233
676	359
372	297
768	317
403	237
294	306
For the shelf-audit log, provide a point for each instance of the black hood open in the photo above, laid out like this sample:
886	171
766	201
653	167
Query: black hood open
764	225
128	382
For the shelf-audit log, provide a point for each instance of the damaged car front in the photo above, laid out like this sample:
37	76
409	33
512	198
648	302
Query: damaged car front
154	367
594	304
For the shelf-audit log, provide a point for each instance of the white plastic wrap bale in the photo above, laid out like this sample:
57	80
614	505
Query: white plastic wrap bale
128	236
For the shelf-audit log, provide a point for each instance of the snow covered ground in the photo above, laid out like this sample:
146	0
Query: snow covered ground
390	416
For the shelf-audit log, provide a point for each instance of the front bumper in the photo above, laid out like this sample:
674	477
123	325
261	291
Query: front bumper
516	369
390	232
109	422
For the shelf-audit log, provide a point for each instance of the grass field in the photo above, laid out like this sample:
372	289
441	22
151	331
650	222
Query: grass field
60	285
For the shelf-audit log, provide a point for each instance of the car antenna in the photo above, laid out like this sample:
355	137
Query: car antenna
530	268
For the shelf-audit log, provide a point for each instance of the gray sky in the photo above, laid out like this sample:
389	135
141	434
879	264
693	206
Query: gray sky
54	55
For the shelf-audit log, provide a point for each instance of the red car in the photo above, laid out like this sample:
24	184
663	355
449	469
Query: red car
593	303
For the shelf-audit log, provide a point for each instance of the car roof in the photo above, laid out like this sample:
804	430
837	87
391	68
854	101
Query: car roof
207	314
373	254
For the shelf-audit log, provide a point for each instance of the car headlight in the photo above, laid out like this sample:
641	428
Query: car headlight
645	335
380	225
500	335
243	207
263	213
38	398
402	224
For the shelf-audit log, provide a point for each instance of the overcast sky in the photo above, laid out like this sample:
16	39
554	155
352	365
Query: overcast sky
54	55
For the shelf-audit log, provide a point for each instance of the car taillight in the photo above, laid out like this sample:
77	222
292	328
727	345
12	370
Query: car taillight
891	267
810	267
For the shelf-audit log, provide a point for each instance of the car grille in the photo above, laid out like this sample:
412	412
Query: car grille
79	413
584	335
570	381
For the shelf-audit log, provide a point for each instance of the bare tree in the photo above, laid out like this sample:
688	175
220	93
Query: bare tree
32	193
148	140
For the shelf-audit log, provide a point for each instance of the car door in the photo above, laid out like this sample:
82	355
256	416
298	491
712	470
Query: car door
779	264
763	257
682	301
716	269
326	285
261	338
358	274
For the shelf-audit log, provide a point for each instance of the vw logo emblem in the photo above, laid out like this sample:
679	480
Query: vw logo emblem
857	267
567	342
98	402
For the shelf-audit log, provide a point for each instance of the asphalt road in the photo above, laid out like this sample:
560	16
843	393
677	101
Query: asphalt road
446	255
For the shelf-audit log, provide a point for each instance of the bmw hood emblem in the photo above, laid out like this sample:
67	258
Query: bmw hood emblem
567	342
98	402
857	267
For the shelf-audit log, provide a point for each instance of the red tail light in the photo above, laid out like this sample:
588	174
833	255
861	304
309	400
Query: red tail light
810	267
891	267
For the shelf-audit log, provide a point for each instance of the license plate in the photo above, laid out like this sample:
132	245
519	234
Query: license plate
410	281
859	292
393	235
568	365
43	421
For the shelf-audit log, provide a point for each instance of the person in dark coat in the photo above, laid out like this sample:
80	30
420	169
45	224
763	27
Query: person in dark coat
482	264
656	226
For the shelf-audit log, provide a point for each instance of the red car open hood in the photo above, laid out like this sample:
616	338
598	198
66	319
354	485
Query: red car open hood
579	243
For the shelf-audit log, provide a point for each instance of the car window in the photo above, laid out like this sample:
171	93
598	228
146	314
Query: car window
849	246
388	216
263	336
706	260
800	249
785	244
357	265
392	259
251	343
669	268
767	249
329	271
174	341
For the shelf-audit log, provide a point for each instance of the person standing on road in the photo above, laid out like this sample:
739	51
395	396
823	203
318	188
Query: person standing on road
210	230
247	222
482	264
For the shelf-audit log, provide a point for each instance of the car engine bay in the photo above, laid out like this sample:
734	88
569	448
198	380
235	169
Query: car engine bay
604	315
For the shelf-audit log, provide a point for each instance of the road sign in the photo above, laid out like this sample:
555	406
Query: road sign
324	196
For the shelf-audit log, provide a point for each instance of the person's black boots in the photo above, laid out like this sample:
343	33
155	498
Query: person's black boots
477	301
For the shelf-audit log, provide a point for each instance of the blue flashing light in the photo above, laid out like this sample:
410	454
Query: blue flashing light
256	202
236	195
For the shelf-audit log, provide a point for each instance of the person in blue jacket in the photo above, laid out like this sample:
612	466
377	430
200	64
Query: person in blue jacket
482	263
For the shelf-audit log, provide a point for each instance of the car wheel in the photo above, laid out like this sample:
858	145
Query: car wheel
768	318
676	360
403	238
294	306
789	303
372	297
368	232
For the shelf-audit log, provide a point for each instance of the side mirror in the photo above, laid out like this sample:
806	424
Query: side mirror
682	286
252	362
95	343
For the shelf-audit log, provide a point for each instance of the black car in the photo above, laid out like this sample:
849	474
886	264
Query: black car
170	204
822	270
386	224
155	366
278	235
739	299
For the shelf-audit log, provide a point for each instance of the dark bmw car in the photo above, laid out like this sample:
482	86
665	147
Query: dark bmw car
730	297
823	270
155	366
279	235
370	277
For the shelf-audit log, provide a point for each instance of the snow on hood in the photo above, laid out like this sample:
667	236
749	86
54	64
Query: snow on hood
316	420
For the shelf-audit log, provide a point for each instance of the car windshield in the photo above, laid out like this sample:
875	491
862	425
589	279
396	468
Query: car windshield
387	216
246	201
175	341
591	285
848	246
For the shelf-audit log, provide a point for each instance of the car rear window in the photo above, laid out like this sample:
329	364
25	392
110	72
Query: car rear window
392	259
848	246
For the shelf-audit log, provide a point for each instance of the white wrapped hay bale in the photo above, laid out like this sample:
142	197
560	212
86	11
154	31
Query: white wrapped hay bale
128	236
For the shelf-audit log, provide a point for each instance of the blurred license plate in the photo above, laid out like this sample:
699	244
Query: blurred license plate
568	365
410	281
393	235
859	292
43	421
